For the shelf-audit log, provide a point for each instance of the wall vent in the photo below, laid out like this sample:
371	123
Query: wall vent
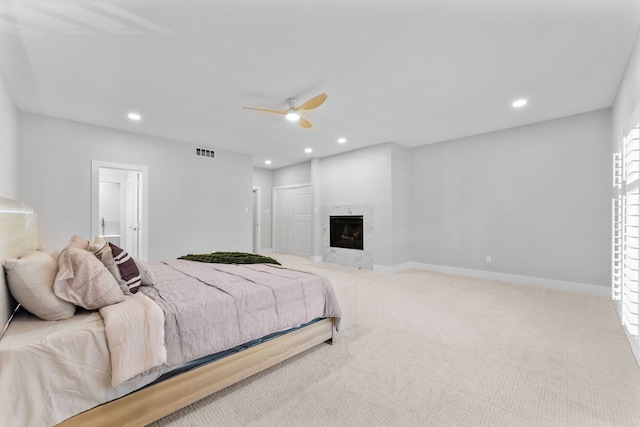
202	152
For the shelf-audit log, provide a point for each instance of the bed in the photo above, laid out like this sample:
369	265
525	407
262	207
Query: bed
115	366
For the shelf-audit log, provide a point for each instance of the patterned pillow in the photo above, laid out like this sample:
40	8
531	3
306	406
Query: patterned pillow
119	263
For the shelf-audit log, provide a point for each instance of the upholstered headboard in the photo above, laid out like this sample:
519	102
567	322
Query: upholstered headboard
18	236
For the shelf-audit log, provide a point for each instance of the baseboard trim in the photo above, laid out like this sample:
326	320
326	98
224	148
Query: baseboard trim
560	285
316	258
391	270
266	251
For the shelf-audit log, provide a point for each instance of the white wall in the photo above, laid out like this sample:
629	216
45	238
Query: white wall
196	204
8	144
291	175
535	198
628	96
263	178
400	204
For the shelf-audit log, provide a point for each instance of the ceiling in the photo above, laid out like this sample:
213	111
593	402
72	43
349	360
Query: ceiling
410	72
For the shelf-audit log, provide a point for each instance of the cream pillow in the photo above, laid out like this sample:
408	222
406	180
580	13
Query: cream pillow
54	253
30	281
78	242
83	280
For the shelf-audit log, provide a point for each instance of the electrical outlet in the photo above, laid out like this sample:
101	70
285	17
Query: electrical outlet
488	259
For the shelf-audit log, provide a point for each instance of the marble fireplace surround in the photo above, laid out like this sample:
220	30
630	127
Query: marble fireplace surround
351	257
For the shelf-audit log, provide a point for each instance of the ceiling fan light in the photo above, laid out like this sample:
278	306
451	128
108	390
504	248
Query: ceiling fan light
293	116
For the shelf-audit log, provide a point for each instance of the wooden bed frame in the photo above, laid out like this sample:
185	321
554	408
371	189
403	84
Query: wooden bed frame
161	399
150	403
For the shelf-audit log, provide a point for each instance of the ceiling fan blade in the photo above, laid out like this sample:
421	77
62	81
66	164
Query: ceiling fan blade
304	123
267	110
314	102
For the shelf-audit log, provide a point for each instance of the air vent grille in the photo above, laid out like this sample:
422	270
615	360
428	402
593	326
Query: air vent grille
203	152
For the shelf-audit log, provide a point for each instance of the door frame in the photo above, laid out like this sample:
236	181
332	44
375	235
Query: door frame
95	197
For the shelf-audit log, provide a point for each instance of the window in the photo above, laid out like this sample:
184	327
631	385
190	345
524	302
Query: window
626	226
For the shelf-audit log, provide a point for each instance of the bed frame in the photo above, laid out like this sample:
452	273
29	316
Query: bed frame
161	399
18	236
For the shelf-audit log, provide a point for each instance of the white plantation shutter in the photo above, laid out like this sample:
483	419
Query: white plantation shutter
616	232
630	265
626	228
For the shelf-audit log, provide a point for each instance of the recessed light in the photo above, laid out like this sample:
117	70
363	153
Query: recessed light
134	116
342	140
519	103
267	162
308	150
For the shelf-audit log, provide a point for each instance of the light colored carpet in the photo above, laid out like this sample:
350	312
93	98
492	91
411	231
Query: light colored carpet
433	349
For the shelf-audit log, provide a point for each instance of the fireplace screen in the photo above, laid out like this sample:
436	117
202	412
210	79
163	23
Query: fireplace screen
345	232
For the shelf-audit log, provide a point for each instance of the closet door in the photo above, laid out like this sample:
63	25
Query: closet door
293	220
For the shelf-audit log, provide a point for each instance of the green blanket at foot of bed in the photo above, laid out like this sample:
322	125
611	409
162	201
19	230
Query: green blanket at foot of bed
230	258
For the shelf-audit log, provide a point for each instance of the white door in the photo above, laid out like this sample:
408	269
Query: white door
132	213
293	224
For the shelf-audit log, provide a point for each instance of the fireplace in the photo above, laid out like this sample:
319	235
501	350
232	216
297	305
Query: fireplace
346	232
337	250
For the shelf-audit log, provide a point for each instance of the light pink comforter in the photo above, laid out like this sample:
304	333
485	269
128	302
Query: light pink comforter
213	307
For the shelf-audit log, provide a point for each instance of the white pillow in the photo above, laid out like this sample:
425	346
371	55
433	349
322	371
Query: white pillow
84	281
30	281
54	253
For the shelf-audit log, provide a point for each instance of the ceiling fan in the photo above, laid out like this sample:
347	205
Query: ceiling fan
291	113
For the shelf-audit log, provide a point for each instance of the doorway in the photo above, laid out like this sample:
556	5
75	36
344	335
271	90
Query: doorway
119	206
256	219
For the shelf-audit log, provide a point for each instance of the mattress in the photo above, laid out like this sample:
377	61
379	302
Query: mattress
57	369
